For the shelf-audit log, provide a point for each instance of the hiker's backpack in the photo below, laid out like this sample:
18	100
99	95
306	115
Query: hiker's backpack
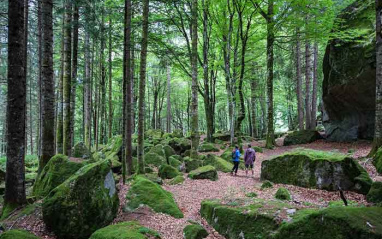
234	154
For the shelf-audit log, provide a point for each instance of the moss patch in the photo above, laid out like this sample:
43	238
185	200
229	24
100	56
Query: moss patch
154	159
267	184
177	180
17	234
192	164
378	160
206	172
283	194
174	162
258	149
85	202
57	170
219	163
208	147
81	151
125	230
158	149
301	137
168	151
375	193
145	192
167	172
194	231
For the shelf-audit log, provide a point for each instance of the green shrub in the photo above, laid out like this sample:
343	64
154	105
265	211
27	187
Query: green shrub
283	194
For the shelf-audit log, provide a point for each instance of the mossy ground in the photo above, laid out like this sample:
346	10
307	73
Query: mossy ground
17	234
205	172
125	230
266	184
177	180
145	192
375	193
167	171
194	231
208	147
378	160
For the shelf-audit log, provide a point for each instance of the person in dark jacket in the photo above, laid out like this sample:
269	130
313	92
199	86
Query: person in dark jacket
249	159
236	160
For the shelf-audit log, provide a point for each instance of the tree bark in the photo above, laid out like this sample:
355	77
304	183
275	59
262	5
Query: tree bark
59	121
253	108
47	110
377	143
103	81
194	87
300	107
168	121
67	78
16	107
74	72
308	73
314	89
87	89
110	123
142	85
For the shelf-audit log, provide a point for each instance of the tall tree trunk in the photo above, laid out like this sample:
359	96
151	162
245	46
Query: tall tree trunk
142	85
168	121
26	14
378	107
253	108
87	90
300	107
74	72
308	73
59	121
67	78
16	108
194	88
314	89
47	110
39	83
110	123
103	82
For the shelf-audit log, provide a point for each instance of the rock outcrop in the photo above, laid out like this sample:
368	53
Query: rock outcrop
349	76
205	172
301	137
125	230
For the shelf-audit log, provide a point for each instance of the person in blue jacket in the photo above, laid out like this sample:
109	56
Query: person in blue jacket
236	160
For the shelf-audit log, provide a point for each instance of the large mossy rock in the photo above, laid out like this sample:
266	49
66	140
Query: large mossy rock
349	75
81	151
301	137
84	203
145	192
219	163
17	234
57	170
375	193
125	230
169	151
158	149
283	194
378	160
167	172
177	180
336	222
207	147
192	164
180	145
205	172
222	136
317	169
194	231
154	159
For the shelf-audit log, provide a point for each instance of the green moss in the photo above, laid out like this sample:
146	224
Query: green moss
258	149
167	171
208	147
17	234
192	164
378	160
168	151
283	194
57	170
158	149
194	231
153	177
174	162
251	195
180	145
125	230
335	222
301	137
375	193
315	154
219	163
153	134
145	192
267	184
340	203
82	204
8	208
114	145
205	172
154	159
177	180
80	151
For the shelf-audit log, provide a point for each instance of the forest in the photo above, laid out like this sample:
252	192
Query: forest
237	119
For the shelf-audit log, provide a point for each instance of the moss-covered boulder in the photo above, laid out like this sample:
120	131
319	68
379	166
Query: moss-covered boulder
219	163
258	149
114	145
145	192
57	170
283	194
158	149
192	164
266	184
84	203
153	177
168	151
153	134
125	230
174	162
336	222
194	231
222	136
167	171
205	172
81	151
177	180
378	160
375	193
301	137
17	234
207	147
154	159
180	145
317	169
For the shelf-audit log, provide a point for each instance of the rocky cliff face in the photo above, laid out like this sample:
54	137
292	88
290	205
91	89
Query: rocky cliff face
349	76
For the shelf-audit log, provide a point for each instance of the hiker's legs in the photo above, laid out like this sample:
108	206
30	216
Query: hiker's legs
236	166
246	169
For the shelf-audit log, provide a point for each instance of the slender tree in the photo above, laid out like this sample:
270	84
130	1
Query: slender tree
142	85
308	75
59	113
74	71
87	88
103	81
67	77
110	120
16	108
47	96
300	107
168	121
313	115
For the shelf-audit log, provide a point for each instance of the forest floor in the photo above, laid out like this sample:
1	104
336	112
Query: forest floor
191	193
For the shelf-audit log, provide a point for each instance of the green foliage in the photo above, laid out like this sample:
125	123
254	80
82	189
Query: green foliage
17	234
205	172
194	231
125	230
283	194
145	192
